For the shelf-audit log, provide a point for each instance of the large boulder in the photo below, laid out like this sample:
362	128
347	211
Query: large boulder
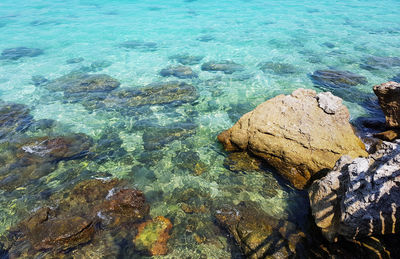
359	197
299	134
389	99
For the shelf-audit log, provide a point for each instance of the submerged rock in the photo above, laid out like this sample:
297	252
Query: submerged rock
182	72
278	68
36	157
14	118
242	162
92	211
153	235
39	80
335	78
80	82
206	38
74	60
259	235
226	66
389	99
295	135
20	52
158	137
190	160
376	63
139	45
160	93
359	197
186	59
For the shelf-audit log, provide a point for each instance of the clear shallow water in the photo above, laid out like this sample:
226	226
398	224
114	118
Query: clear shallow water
308	36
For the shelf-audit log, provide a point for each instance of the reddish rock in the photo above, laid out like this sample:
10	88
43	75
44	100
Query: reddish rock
153	235
127	203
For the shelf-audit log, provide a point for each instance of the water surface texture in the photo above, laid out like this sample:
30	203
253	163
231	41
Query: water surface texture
159	139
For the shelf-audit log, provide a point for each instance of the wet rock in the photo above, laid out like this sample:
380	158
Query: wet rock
388	135
161	93
108	147
206	38
46	149
157	138
377	63
80	82
93	211
74	60
126	203
190	161
186	59
278	68
36	157
389	99
38	80
182	72
335	78
295	135
259	235
20	52
61	234
14	118
139	45
226	66
242	162
153	235
359	197
42	124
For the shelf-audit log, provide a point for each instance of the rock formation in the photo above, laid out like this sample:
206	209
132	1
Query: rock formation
300	134
389	100
359	197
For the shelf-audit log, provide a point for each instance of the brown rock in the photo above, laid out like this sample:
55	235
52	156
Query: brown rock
153	235
388	135
127	203
296	134
389	100
61	234
260	235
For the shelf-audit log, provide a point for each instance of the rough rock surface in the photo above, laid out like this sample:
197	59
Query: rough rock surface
226	66
295	135
92	211
335	78
359	197
182	72
260	235
389	99
153	235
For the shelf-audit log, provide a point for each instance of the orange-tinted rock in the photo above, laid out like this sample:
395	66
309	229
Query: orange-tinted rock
388	135
299	134
153	235
127	203
389	100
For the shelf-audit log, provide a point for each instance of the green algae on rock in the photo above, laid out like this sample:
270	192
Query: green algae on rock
92	210
260	235
153	235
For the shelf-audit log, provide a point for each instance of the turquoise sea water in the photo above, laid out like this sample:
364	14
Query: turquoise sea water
302	36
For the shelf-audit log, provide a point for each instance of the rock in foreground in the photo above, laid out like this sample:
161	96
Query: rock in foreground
260	235
359	197
299	134
389	99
